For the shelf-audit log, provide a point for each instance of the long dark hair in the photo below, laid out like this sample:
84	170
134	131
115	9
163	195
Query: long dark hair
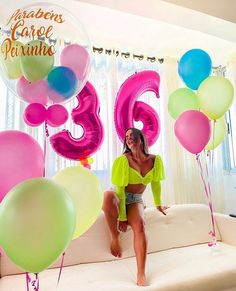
138	134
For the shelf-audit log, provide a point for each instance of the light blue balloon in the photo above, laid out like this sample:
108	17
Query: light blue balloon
194	67
63	81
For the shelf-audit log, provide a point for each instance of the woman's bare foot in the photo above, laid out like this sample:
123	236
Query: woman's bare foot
141	280
115	248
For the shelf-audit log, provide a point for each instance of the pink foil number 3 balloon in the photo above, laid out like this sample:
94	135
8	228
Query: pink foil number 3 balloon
86	114
127	108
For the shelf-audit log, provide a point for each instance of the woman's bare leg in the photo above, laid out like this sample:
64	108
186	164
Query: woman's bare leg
111	210
136	220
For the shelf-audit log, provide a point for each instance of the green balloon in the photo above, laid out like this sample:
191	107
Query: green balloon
218	133
37	61
181	100
37	221
10	63
215	96
86	193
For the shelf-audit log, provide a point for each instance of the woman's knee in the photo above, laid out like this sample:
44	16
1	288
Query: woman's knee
110	200
138	225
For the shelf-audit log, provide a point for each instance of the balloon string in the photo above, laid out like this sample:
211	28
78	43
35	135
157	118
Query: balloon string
27	280
208	195
213	143
34	283
61	266
37	282
45	146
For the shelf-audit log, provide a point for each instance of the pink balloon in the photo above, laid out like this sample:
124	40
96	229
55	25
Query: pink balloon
128	109
36	92
55	97
86	114
35	114
21	158
77	59
56	115
193	130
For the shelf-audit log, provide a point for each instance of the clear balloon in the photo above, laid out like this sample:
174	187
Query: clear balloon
86	114
37	221
35	114
21	158
182	99
219	131
194	67
33	38
126	107
193	130
215	96
84	188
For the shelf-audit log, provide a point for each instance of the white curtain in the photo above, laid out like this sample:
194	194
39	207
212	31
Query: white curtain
182	184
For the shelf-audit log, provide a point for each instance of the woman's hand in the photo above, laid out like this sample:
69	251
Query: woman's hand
162	209
122	225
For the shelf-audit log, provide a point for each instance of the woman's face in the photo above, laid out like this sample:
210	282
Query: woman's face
130	139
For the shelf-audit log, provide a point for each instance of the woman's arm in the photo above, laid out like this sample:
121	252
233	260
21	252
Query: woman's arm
156	192
120	192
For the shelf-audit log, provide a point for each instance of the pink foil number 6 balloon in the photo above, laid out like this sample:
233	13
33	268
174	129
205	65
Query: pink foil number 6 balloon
85	115
127	108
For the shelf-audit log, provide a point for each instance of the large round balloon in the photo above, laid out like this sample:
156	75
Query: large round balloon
35	39
127	108
37	221
194	66
181	100
85	190
21	158
215	96
193	130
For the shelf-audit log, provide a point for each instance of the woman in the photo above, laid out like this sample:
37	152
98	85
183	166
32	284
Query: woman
131	172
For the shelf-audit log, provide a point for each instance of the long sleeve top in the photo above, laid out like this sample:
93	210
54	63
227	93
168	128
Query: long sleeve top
123	174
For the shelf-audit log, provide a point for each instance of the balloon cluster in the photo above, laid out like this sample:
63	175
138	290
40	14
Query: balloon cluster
61	209
36	62
38	216
199	114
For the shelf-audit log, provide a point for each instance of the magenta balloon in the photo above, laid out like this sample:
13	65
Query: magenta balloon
77	59
126	99
36	92
35	114
86	114
193	130
21	158
57	115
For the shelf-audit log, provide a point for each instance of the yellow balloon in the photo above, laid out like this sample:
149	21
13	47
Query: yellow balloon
85	190
218	133
10	64
215	96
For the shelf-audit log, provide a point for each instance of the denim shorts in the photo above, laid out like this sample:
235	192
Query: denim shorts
133	198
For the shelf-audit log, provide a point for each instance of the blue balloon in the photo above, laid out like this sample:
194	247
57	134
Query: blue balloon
63	81
194	67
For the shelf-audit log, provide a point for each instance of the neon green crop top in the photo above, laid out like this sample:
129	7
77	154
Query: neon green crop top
123	174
